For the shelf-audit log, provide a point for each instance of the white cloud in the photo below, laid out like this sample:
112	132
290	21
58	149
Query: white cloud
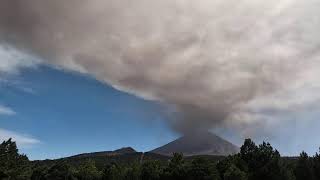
22	140
6	111
11	60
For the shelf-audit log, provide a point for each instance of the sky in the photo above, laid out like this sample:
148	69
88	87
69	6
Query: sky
48	118
246	69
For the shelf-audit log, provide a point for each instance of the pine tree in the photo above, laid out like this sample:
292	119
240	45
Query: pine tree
13	164
304	168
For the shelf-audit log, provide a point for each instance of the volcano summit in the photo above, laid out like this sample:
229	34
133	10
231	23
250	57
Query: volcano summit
201	143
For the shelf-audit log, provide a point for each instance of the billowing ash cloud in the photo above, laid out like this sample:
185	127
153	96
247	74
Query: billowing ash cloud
239	63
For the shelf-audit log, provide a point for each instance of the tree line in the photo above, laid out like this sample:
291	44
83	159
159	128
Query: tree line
253	162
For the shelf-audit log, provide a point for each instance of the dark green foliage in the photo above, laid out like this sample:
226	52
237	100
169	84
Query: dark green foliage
3	175
202	169
316	165
12	164
304	168
176	168
133	172
263	161
257	162
113	172
151	170
231	161
234	173
88	171
60	171
251	163
39	173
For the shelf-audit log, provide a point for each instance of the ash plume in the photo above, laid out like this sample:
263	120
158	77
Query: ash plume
222	62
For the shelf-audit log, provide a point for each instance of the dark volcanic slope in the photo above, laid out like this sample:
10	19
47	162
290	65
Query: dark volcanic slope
198	144
127	150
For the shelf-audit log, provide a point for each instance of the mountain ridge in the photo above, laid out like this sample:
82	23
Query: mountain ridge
190	145
199	143
121	151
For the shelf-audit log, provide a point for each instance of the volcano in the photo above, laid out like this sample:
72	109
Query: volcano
203	143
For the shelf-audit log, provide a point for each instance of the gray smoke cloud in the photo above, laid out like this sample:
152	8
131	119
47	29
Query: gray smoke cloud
242	64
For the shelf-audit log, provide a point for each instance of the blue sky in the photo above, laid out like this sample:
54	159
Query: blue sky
68	113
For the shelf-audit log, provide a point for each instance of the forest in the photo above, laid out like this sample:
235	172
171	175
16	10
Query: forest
253	162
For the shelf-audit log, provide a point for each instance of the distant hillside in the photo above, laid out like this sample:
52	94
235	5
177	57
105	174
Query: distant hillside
205	145
121	156
198	144
122	151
